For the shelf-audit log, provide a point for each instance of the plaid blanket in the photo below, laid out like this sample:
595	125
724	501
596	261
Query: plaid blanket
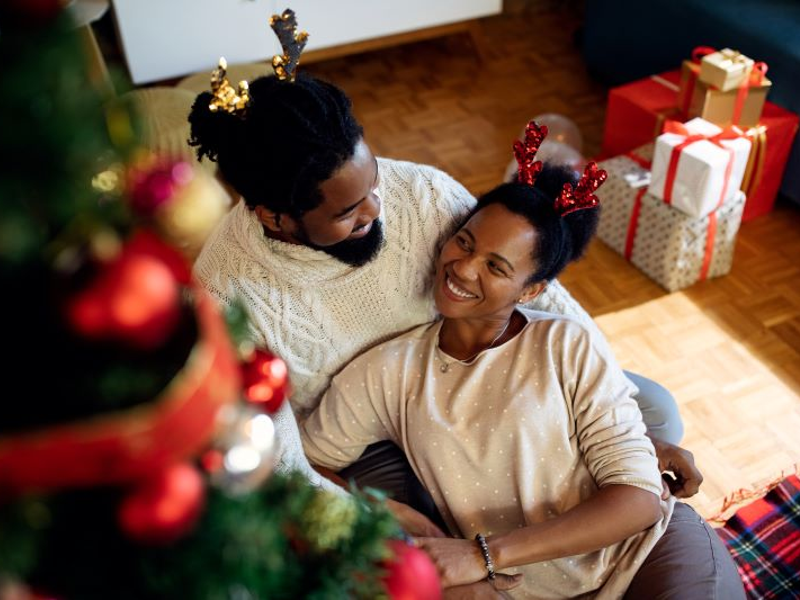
764	540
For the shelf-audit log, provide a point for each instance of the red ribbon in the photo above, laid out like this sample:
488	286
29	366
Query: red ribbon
756	78
709	252
633	224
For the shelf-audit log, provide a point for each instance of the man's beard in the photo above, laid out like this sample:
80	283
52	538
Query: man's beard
356	252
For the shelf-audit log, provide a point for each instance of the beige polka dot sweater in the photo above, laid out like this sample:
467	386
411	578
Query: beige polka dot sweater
521	433
318	313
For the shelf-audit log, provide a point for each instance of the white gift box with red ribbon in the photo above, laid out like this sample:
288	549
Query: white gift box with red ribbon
697	166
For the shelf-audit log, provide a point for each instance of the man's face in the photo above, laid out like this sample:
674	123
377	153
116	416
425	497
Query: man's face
345	225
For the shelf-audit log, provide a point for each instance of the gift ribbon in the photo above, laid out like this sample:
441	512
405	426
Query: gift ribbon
756	78
755	165
709	251
633	224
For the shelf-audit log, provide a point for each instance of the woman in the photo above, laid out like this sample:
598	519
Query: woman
520	423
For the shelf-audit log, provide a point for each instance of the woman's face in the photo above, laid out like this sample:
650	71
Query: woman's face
482	269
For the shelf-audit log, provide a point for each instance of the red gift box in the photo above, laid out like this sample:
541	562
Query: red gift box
636	114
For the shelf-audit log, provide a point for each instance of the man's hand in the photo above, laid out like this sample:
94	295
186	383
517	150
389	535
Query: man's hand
681	476
413	522
460	562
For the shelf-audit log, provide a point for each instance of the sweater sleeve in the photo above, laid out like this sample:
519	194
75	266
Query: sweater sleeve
609	426
359	409
441	204
292	458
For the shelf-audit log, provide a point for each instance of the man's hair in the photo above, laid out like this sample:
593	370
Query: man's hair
292	137
560	240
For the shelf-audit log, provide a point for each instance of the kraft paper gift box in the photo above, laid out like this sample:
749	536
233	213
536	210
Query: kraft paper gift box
697	166
726	69
731	107
670	247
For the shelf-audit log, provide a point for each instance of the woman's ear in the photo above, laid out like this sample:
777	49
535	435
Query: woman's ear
531	291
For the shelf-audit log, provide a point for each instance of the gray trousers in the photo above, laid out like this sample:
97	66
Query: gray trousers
689	562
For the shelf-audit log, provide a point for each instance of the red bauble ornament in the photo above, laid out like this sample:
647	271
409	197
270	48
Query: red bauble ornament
157	185
266	381
165	508
411	574
135	299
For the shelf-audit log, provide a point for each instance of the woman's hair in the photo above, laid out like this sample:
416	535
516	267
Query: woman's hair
560	240
292	137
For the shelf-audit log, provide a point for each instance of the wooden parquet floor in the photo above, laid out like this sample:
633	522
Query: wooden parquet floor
728	349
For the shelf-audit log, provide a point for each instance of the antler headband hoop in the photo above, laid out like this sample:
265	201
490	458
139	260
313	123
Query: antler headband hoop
235	101
570	199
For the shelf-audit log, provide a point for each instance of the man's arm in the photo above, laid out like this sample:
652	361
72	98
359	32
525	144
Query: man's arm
685	478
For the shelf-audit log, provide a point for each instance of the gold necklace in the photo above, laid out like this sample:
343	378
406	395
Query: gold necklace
446	366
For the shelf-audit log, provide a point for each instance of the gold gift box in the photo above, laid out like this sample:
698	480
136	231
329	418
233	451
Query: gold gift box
718	107
726	69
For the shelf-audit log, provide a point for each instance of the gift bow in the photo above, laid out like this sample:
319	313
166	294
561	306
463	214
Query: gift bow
731	132
700	51
731	57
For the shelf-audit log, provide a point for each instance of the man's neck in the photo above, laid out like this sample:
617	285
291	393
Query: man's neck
281	236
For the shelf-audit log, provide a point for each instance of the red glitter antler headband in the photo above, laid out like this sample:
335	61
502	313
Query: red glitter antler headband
582	196
525	152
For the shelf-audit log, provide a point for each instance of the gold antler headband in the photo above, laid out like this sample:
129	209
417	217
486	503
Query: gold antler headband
235	102
285	27
225	96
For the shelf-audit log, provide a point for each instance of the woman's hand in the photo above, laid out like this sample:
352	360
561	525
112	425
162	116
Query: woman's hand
413	522
459	562
685	478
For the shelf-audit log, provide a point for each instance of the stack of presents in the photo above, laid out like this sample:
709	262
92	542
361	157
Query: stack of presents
695	152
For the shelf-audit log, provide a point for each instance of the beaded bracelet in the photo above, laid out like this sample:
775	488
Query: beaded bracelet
485	551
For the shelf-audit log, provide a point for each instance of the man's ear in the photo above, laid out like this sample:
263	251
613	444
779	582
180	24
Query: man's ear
532	291
269	219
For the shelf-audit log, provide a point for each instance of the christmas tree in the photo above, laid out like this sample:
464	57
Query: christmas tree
136	446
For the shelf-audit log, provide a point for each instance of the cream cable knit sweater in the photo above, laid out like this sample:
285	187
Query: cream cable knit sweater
318	313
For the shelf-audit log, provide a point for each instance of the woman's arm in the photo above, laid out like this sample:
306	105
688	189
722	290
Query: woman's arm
613	514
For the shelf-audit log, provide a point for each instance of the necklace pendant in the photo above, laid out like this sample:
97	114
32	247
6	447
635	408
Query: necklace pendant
444	368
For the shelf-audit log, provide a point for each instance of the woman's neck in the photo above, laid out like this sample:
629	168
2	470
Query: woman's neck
464	339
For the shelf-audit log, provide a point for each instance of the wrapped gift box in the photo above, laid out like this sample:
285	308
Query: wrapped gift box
670	247
698	176
726	70
724	87
636	113
739	106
